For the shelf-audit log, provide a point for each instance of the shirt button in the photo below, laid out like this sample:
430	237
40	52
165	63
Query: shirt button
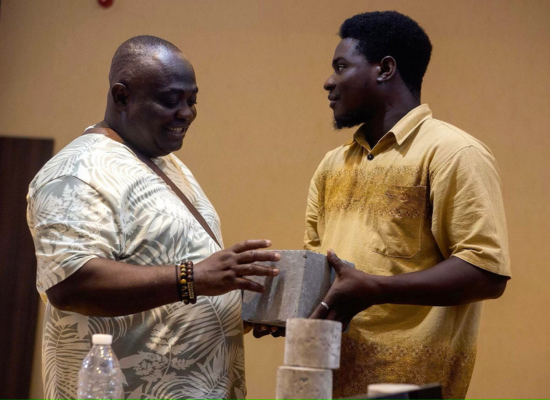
370	156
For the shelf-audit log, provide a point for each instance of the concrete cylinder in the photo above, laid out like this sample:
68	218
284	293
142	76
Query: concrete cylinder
303	383
381	389
313	343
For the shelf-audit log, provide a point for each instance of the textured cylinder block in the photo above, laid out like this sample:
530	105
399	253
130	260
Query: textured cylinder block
303	383
313	343
381	389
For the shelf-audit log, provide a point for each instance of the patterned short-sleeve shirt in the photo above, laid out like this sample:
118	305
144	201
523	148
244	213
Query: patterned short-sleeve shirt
95	198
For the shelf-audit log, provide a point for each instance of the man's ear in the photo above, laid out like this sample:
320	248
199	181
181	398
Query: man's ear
119	93
387	69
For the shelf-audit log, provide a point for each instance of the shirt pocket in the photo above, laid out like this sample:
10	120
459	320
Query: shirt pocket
395	216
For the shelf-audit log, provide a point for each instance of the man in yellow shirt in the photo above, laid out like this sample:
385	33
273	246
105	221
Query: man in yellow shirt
416	204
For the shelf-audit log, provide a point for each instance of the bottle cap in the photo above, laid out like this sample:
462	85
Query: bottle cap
102	339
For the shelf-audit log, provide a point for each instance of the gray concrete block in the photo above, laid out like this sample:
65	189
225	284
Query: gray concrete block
303	383
313	343
302	283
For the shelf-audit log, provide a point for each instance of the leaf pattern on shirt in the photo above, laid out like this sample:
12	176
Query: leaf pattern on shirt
63	339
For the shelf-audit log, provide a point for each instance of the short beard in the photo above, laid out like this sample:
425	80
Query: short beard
349	120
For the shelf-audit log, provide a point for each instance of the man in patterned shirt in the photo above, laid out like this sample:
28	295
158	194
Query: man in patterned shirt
109	229
416	204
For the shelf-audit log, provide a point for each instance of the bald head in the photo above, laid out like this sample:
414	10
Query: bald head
138	56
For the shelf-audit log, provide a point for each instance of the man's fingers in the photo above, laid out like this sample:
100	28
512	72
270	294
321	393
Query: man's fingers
332	315
255	270
251	245
280	332
320	312
260	331
251	256
246	284
264	330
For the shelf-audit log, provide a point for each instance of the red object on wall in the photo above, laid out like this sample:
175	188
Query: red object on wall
105	3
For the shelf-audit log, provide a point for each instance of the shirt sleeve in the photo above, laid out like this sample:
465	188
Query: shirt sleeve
70	223
468	218
312	240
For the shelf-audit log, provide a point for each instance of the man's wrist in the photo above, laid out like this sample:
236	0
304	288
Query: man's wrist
379	289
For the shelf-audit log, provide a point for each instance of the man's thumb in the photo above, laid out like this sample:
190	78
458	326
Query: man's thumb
334	261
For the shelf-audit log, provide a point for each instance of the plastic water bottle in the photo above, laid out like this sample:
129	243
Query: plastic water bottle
100	376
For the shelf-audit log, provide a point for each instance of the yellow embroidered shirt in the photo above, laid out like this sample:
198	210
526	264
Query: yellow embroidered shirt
425	192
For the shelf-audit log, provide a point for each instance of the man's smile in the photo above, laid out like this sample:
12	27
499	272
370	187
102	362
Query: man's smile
176	132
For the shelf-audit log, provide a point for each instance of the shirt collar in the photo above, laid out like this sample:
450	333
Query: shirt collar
402	130
406	125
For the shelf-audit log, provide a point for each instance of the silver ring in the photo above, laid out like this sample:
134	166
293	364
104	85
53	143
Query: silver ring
325	305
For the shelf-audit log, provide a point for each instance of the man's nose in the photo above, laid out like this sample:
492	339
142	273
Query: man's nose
329	84
185	112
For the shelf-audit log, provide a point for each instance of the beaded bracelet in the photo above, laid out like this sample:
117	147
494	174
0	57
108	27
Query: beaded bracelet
181	281
184	276
190	283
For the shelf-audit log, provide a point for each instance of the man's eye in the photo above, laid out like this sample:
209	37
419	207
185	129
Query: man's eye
340	67
191	103
170	103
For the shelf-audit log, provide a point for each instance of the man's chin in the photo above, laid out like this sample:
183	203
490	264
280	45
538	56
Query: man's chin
167	148
346	122
349	119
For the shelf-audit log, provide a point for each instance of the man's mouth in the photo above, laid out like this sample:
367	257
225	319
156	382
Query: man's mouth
333	100
176	129
176	132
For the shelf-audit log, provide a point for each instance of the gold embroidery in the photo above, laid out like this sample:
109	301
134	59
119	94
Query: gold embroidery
364	363
397	201
392	191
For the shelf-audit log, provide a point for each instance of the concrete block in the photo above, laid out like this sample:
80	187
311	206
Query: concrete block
313	343
303	383
302	283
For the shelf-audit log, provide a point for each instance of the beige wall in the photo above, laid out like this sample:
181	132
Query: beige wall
264	124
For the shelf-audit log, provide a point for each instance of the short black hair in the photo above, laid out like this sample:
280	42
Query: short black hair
389	33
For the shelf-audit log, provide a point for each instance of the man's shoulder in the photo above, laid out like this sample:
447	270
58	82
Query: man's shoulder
77	159
445	136
442	141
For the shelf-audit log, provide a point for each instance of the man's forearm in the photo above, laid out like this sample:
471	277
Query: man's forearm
449	283
106	288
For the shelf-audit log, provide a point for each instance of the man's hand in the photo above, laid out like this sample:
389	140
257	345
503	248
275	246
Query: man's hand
261	330
452	282
352	291
225	270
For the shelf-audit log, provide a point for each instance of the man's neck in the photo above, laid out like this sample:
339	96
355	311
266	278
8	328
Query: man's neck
384	120
102	124
139	154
